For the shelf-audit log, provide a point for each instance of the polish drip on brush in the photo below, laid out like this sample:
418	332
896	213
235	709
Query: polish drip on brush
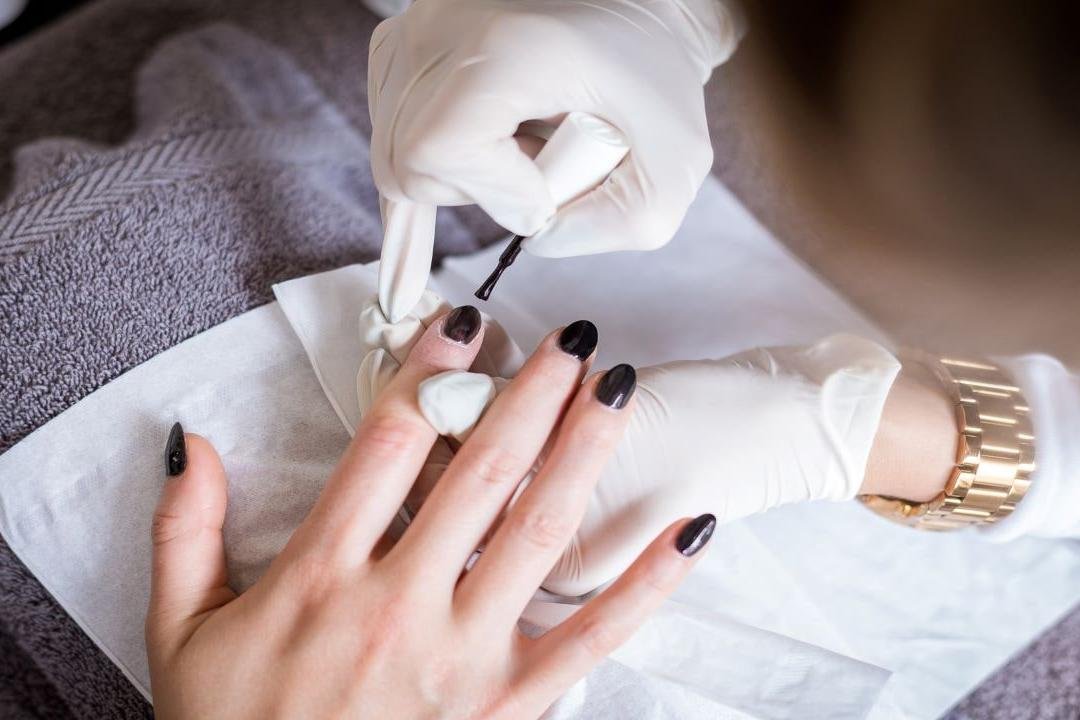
577	158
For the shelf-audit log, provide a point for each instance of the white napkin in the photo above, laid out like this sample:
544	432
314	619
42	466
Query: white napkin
726	664
940	612
77	497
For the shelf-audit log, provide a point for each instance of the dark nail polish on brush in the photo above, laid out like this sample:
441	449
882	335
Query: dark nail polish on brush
579	339
462	324
696	534
506	259
175	451
617	386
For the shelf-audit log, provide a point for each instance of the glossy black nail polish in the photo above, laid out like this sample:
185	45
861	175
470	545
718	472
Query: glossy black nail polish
696	534
462	324
175	451
579	339
617	386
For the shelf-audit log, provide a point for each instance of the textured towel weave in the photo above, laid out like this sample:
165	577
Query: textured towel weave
202	168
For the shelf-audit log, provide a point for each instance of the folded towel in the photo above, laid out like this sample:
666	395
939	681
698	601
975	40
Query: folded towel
191	183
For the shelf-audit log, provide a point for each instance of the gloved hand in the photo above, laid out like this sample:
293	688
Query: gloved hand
449	82
732	437
736	437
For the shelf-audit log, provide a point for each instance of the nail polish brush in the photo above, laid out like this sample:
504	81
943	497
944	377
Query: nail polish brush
578	157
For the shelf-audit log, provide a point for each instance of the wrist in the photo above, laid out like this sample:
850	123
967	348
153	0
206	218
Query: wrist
914	451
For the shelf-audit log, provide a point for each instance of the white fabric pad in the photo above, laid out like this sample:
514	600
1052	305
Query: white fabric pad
738	640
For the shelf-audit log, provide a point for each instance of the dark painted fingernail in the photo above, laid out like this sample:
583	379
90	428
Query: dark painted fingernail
578	339
617	386
696	534
175	451
462	324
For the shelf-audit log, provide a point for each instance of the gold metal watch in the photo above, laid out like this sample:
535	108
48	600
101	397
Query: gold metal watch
995	455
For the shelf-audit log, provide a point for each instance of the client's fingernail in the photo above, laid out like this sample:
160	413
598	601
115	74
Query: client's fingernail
462	324
696	534
578	339
175	451
617	386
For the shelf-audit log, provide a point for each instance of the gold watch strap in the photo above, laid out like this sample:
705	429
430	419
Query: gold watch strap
995	455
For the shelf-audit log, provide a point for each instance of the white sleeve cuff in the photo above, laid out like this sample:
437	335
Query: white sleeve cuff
1051	507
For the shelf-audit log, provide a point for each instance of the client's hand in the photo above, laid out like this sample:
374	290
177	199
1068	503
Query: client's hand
747	433
346	624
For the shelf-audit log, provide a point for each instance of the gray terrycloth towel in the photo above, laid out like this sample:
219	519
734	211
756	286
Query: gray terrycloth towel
162	164
236	170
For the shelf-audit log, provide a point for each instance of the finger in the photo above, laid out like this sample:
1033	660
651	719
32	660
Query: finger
452	408
459	146
438	460
499	453
389	449
405	262
398	339
500	356
569	651
380	57
376	371
641	204
188	575
385	78
543	520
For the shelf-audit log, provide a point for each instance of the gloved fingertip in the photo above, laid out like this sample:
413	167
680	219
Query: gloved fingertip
544	245
396	300
521	220
556	240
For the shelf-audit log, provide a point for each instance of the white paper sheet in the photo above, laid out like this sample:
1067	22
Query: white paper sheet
758	674
939	611
83	527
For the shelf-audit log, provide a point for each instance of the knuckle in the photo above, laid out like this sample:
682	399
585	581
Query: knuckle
698	157
650	226
654	231
311	577
385	637
390	435
553	373
422	152
493	465
600	437
166	527
544	28
541	528
702	162
597	637
656	580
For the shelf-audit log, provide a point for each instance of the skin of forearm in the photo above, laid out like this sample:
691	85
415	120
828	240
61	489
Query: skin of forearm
914	450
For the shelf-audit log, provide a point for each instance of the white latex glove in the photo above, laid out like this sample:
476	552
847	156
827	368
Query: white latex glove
450	81
732	437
